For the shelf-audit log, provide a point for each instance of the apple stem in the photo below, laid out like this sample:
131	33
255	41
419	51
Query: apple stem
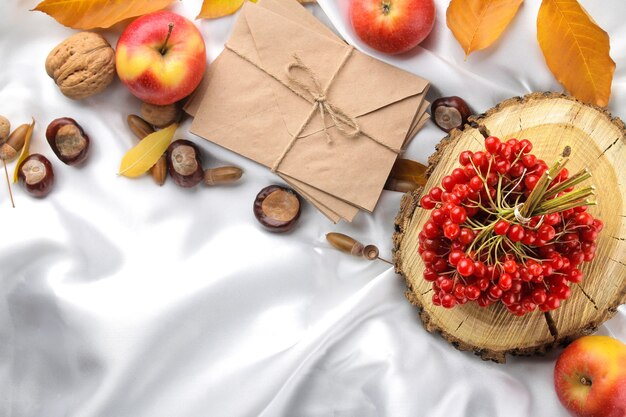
386	7
585	381
169	33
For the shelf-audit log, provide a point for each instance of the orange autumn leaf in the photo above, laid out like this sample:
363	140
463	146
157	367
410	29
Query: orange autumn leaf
217	8
408	170
476	24
576	50
90	14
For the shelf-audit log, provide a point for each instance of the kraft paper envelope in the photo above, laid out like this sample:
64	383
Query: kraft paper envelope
246	110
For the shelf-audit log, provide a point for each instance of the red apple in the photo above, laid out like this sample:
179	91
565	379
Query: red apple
590	377
161	57
392	26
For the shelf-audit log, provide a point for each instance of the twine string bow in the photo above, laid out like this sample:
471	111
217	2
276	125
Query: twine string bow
346	124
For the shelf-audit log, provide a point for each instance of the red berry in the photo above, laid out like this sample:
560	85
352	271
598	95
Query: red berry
427	202
501	227
472	292
431	230
448	183
546	232
438	216
435	193
476	183
466	236
598	225
458	215
455	256
539	296
553	302
526	145
589	234
495	292
451	231
448	301
505	282
440	265
459	175
465	157
575	275
529	160
517	169
584	219
445	284
430	274
516	233
530	181
436	299
492	144
465	267
428	256
510	266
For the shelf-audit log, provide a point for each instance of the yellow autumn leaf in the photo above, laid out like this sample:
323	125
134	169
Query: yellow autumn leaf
147	152
476	24
89	14
212	9
25	150
576	50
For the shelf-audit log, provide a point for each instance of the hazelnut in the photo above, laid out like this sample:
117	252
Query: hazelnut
5	129
450	113
36	173
14	144
277	208
184	163
82	65
139	126
68	140
160	116
222	175
349	245
141	129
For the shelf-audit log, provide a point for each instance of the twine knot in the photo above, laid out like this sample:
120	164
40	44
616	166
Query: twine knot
320	98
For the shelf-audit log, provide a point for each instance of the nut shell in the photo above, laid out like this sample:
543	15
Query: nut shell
450	113
184	163
82	65
160	116
5	129
68	140
277	208
36	174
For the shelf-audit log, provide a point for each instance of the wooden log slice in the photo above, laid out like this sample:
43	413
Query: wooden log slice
551	121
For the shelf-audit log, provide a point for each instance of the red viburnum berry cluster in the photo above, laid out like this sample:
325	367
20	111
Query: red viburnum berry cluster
507	228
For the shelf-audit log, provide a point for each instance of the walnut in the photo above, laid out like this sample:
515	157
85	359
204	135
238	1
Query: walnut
82	65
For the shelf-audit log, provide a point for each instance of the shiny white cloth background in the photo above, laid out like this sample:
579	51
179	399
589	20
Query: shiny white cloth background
119	298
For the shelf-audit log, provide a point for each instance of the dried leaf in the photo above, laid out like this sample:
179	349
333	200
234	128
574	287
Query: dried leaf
89	14
476	24
576	50
212	9
147	152
408	170
25	150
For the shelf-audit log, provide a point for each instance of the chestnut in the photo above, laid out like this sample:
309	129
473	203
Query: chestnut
450	113
277	208
68	140
184	163
37	175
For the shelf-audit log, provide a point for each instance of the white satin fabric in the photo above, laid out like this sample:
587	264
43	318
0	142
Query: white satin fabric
119	298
